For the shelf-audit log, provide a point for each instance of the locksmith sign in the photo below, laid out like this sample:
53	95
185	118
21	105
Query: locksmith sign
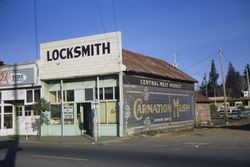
79	51
77	57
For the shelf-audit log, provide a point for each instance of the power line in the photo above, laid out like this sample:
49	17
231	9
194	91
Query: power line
100	14
200	61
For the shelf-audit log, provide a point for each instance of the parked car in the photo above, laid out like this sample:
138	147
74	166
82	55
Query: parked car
234	114
245	114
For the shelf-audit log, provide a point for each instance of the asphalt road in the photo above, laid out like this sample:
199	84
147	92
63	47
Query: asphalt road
189	154
222	147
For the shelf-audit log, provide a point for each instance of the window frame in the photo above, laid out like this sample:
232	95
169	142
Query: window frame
32	95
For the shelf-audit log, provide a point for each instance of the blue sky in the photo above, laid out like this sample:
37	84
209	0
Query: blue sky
193	29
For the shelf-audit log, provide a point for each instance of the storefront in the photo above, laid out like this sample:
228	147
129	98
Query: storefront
19	90
82	80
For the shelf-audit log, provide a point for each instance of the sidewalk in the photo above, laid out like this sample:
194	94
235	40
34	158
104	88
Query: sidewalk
68	140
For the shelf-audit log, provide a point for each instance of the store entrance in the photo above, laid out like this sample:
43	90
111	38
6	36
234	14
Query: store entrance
86	118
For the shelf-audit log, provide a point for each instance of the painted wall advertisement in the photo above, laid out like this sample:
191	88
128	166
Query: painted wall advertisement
19	77
155	104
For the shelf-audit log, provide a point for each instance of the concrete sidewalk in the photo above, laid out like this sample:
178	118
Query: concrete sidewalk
71	140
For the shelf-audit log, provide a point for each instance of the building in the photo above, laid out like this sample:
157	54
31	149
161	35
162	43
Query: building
156	94
19	90
97	88
202	110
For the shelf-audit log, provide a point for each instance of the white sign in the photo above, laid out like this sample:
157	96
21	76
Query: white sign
68	112
85	56
8	77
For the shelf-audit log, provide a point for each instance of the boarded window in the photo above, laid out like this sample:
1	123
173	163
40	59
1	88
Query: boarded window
112	112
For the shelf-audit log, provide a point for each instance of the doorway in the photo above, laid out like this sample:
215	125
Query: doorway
86	118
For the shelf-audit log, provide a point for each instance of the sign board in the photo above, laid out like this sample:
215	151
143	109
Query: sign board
144	81
157	105
68	112
85	56
18	77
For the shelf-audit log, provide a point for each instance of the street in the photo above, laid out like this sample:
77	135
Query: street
117	155
200	147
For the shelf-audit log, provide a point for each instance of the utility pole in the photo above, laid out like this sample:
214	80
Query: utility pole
224	86
248	87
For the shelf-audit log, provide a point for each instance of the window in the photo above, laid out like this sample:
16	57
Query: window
35	113
32	95
108	112
55	96
8	117
7	109
117	96
88	94
52	96
19	111
70	95
101	93
103	115
27	111
59	96
37	95
29	96
8	121
111	112
55	114
108	93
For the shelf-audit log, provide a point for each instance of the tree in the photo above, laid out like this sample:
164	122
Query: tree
203	87
41	107
233	84
212	83
247	68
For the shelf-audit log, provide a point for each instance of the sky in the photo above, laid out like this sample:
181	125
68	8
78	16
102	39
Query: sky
193	30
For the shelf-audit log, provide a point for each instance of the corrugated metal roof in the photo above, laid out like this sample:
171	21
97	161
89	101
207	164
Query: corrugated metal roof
144	64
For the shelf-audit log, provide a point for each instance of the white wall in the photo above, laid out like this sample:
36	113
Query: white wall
14	94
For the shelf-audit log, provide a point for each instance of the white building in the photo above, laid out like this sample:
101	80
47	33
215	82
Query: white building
19	90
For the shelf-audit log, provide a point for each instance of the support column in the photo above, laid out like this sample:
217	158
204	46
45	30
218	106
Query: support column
121	102
98	108
62	112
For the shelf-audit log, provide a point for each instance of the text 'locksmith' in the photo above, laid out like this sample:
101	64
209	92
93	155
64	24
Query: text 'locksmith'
79	51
